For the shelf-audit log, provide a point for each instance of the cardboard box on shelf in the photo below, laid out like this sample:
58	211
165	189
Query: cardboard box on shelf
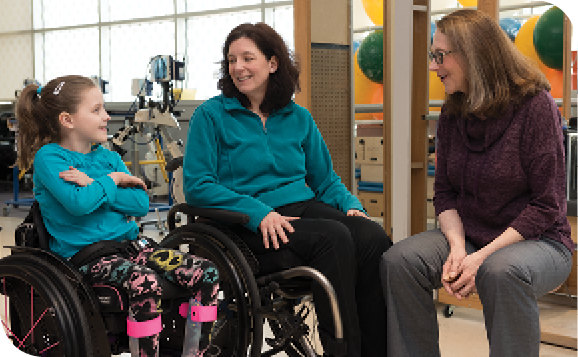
373	202
374	150
368	150
364	130
371	173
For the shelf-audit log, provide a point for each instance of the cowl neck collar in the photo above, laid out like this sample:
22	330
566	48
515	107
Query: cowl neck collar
479	134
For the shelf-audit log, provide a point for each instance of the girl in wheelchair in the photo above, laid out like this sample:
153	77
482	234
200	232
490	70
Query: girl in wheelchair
86	195
253	150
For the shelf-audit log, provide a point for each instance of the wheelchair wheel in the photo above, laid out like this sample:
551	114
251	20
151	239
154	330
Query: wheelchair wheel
239	325
45	317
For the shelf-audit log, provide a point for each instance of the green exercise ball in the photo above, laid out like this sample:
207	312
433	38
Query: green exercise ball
549	38
370	56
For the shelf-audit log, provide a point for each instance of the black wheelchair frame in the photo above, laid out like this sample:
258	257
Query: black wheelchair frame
50	310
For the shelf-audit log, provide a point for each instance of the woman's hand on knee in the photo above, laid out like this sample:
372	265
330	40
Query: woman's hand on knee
355	212
273	227
76	176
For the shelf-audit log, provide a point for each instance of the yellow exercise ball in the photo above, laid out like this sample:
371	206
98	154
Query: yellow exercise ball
364	90
374	10
466	3
525	41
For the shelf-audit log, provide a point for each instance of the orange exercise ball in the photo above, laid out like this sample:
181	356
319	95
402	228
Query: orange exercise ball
525	42
466	3
556	79
374	10
377	98
364	90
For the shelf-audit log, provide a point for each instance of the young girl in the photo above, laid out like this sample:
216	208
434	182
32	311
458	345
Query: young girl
86	194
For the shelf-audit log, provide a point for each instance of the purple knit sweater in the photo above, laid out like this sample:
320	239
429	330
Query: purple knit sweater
505	172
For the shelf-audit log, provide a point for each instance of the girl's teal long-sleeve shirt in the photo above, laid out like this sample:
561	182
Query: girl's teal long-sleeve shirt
233	162
78	216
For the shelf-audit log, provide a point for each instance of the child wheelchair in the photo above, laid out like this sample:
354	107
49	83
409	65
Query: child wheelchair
50	310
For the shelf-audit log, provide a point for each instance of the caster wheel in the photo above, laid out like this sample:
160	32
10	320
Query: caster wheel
5	211
448	311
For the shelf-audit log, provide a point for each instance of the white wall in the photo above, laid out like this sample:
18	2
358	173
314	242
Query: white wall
16	55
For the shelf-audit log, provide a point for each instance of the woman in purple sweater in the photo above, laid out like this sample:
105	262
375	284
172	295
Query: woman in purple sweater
499	197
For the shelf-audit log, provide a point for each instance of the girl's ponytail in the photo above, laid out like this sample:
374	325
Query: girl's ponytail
28	114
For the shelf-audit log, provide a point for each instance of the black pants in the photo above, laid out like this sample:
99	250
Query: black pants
347	250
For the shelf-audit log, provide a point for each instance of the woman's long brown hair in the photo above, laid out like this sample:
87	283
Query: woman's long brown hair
497	73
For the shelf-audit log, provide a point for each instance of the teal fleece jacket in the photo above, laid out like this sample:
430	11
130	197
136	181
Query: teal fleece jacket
232	162
79	216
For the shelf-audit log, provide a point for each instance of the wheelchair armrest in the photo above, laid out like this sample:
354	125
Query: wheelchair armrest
210	213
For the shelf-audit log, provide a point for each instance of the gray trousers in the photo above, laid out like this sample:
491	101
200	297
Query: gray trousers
509	283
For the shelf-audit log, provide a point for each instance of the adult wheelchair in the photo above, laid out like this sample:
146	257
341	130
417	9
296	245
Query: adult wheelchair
50	310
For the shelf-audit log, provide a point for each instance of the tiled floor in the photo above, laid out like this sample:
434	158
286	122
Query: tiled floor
461	335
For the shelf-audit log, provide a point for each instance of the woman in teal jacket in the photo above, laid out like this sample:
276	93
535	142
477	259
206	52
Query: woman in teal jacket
253	150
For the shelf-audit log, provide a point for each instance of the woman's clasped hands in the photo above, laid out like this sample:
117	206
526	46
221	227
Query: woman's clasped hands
459	273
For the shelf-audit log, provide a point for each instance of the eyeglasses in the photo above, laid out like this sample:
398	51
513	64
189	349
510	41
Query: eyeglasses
438	56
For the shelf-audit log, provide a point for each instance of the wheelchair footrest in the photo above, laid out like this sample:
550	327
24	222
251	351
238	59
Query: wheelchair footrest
144	328
292	327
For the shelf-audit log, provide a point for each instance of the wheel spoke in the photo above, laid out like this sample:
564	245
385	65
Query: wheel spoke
32	328
11	333
5	303
31	311
6	319
46	315
47	348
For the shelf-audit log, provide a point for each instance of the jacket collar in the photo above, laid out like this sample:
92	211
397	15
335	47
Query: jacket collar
232	103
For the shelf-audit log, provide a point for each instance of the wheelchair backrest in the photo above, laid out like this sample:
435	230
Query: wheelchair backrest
32	232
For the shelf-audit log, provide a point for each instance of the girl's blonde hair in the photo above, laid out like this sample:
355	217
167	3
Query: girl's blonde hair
497	73
37	113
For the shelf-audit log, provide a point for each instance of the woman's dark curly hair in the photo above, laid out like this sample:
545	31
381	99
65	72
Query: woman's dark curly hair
281	85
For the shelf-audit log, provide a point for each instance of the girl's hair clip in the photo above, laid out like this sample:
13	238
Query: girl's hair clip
38	90
58	88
